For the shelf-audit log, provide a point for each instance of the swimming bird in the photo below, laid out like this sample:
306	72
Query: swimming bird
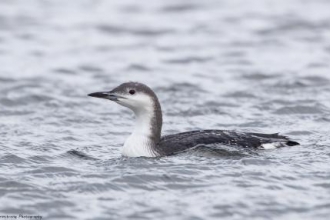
146	140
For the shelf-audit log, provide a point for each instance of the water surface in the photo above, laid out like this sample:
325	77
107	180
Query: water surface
261	66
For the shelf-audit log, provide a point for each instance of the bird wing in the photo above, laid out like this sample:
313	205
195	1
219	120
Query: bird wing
171	144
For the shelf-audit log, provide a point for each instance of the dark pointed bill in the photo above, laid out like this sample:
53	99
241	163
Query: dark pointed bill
104	95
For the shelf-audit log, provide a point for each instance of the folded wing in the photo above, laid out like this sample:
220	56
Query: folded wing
171	144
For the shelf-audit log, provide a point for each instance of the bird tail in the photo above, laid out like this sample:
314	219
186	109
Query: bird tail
292	143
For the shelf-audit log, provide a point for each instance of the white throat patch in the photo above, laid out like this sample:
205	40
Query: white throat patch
139	143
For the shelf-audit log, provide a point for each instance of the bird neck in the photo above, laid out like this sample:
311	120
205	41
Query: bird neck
146	134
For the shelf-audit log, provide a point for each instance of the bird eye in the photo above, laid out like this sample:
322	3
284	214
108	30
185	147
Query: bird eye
132	92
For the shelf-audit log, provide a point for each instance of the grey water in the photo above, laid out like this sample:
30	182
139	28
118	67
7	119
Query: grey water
260	66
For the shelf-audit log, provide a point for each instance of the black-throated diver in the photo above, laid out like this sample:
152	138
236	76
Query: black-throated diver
146	140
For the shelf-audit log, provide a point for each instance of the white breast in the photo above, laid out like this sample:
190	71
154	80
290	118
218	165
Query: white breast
138	146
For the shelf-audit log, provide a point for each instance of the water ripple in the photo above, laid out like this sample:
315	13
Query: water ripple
260	67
